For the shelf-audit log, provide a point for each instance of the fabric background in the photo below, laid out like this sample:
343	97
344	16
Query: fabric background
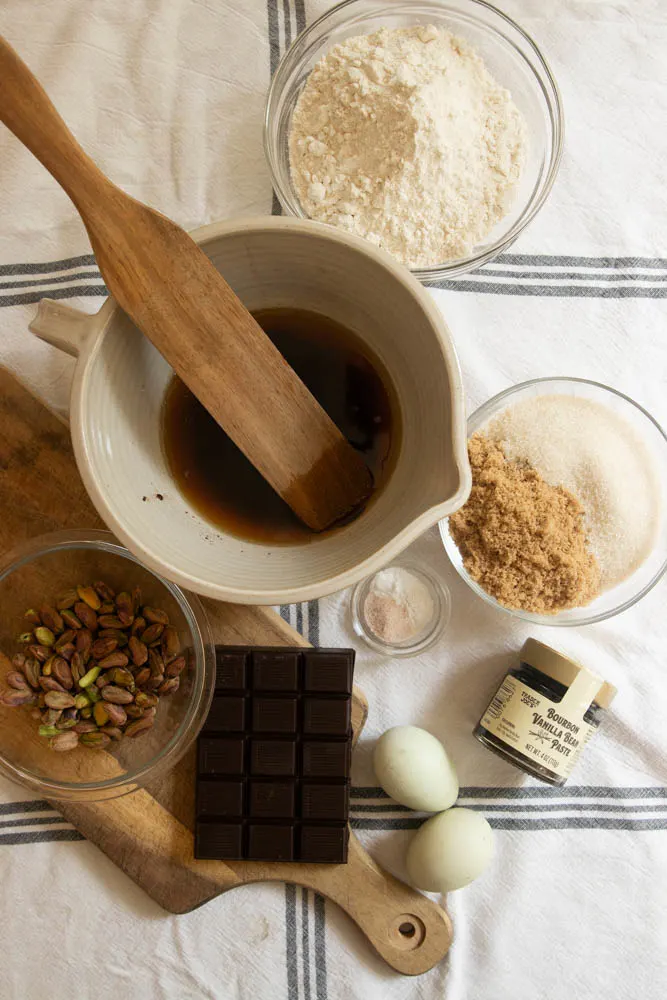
167	96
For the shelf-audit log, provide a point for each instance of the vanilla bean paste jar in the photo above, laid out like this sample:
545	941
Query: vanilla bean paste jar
544	713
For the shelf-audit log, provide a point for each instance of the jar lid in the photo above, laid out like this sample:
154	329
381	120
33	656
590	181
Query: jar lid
563	669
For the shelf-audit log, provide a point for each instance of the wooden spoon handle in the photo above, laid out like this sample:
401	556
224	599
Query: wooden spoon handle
26	109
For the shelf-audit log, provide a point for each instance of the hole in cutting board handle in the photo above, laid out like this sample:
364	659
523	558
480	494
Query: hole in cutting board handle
407	932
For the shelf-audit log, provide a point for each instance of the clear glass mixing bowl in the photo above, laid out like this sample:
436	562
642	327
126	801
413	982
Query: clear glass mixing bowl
511	56
35	573
621	597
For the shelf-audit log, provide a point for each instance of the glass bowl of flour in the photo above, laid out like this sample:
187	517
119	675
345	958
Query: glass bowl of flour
432	129
601	448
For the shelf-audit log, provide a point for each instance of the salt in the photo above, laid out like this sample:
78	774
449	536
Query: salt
398	605
597	455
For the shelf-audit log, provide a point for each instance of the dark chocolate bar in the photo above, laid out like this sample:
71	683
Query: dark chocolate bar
273	758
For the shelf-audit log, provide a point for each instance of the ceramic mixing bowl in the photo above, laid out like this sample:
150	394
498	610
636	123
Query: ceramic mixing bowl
120	383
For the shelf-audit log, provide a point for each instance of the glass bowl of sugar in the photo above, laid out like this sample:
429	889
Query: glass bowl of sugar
606	457
432	128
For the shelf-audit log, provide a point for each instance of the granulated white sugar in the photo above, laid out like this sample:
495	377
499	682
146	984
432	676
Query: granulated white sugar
592	451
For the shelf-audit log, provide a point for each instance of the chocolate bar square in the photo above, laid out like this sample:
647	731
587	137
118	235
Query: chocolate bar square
230	670
270	843
226	715
326	717
325	802
220	798
221	756
218	840
325	760
275	671
272	799
273	759
274	715
323	844
328	670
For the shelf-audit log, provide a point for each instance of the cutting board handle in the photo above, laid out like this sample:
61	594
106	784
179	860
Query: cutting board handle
409	930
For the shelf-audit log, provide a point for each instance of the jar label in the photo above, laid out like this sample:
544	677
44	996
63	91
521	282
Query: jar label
552	734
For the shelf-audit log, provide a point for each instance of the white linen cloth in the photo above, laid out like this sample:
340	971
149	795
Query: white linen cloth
167	96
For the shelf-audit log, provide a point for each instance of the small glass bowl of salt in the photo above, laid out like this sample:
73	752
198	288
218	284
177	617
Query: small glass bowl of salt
401	610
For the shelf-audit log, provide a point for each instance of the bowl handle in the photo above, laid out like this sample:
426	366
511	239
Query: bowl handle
62	326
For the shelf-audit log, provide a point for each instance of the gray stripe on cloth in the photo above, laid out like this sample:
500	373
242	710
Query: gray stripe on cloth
370	823
285	613
274	34
577	823
43	267
22	299
287	21
30	806
290	942
528	823
39	837
300	11
488	272
543	807
556	260
320	947
314	622
61	279
305	942
32	821
551	291
537	792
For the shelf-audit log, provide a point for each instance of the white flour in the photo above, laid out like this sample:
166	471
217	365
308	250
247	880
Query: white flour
593	452
404	137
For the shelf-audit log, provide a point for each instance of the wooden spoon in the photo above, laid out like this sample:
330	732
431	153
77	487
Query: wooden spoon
168	286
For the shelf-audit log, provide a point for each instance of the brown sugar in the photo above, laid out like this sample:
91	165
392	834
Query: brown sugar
521	539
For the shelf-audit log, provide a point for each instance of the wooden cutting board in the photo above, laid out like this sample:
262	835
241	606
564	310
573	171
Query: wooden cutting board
149	834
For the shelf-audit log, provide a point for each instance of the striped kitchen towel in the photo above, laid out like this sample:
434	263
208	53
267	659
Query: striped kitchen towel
168	96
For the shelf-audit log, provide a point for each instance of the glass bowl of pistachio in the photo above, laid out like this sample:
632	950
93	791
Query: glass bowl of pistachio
106	669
